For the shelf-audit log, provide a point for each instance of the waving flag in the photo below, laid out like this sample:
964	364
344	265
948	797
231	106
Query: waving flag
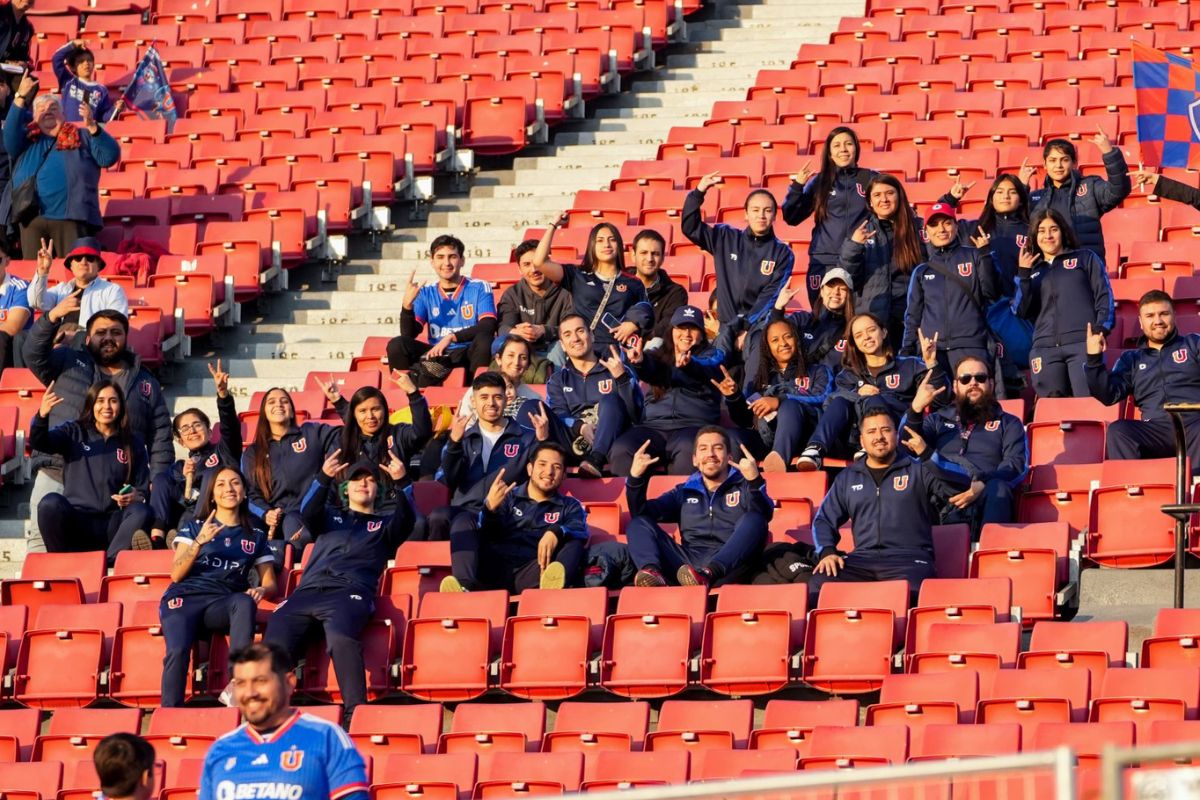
1167	92
148	92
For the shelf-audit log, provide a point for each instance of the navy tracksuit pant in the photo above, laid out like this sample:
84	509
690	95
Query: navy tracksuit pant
479	564
65	529
860	566
651	546
1129	438
185	618
611	420
1060	372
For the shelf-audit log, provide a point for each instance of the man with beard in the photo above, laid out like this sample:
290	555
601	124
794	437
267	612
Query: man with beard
1165	368
665	294
981	437
104	356
532	309
891	501
278	751
722	511
527	536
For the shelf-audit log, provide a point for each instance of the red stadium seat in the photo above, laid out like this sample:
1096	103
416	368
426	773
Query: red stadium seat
379	730
1095	646
983	647
722	765
62	654
74	732
36	781
448	646
789	723
695	725
956	601
962	741
1144	695
196	721
528	774
43	580
618	770
18	728
495	728
1034	557
921	700
750	640
852	634
648	642
432	777
1174	642
1030	697
843	748
548	644
596	728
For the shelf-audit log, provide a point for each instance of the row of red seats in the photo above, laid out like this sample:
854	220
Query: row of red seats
988	24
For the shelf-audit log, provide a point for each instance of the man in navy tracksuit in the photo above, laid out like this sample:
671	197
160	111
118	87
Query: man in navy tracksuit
978	435
592	399
948	295
722	512
475	455
527	535
891	501
1082	199
1165	368
752	265
341	575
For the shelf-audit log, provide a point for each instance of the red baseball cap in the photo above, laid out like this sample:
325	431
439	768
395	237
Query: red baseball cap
940	210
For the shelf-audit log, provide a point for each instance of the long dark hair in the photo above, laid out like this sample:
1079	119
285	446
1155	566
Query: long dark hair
766	361
907	247
206	503
666	354
847	311
1070	241
87	419
855	360
588	263
262	441
987	220
352	435
828	173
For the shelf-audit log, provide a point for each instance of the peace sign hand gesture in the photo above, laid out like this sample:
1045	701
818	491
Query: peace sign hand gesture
1026	171
45	257
803	174
541	423
220	378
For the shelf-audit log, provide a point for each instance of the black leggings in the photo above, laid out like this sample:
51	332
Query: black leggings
65	529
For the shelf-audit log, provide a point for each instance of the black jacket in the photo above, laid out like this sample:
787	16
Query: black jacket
1084	199
845	211
95	467
520	304
1152	377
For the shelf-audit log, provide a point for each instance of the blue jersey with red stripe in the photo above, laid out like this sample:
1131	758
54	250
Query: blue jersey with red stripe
305	758
446	314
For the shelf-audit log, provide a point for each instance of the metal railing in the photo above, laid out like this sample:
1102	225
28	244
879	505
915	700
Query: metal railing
1151	784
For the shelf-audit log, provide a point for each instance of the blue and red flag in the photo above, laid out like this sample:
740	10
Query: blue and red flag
148	92
1167	91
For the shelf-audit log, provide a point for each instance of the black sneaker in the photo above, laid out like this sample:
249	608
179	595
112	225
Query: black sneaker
687	575
811	460
649	577
591	467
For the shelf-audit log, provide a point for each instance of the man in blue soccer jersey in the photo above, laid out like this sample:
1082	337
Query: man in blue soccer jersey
460	313
278	752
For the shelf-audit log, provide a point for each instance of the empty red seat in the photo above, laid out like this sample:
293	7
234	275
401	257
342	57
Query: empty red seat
843	748
1144	695
598	727
956	600
1033	557
619	770
548	644
749	641
963	741
196	721
495	728
722	765
433	777
449	645
382	730
74	732
36	781
921	700
852	634
983	647
695	725
1127	527
18	728
789	723
1095	646
648	642
528	774
54	579
1174	641
62	655
1030	697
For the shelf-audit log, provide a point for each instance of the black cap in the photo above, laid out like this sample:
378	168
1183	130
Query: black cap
361	466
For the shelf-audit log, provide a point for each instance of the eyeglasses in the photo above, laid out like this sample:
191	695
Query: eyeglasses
195	427
973	377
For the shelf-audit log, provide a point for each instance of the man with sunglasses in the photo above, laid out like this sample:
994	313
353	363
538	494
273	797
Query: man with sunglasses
977	434
92	292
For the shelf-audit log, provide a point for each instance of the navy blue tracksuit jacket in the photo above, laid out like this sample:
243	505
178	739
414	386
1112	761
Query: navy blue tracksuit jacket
514	529
627	302
94	468
751	269
705	519
995	449
295	459
845	211
1009	235
1062	297
690	401
955	308
226	452
569	392
1084	199
871	267
464	472
897	383
1153	377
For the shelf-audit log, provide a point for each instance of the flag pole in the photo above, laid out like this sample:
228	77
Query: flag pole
120	104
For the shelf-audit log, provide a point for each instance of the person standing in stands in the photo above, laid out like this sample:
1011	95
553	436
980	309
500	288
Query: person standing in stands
16	317
16	33
891	501
527	536
104	357
104	472
124	765
977	434
1063	288
85	262
836	199
63	159
614	304
1082	200
722	511
752	264
649	249
949	294
278	464
531	309
173	493
592	399
353	545
459	311
1005	220
216	552
1163	368
75	67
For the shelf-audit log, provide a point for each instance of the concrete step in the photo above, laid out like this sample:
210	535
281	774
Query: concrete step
1133	596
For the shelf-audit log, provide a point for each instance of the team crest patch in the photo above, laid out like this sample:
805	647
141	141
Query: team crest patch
993	425
122	456
1180	356
1081	191
374	525
146	388
290	760
803	383
511	450
965	269
1070	263
840	346
174	603
620	287
766	267
900	483
861	192
212	461
247	547
733	498
550	517
468	311
605	386
892	381
300	446
814	281
1036	365
391	442
1000	349
1021	240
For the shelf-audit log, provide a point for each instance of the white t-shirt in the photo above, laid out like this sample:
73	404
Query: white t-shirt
489	441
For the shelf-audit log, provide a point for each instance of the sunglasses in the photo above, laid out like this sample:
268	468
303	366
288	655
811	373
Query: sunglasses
973	377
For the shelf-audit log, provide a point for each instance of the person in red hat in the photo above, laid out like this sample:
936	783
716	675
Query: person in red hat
93	292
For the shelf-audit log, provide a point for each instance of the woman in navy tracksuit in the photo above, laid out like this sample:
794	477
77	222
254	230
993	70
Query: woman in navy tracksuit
872	375
216	552
881	253
836	199
1063	289
782	397
682	375
105	473
1005	220
280	463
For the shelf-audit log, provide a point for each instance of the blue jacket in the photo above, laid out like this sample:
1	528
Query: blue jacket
822	337
893	518
706	519
751	270
845	211
688	399
227	452
1062	297
514	529
403	439
350	549
939	303
68	183
95	468
1083	200
464	472
1153	377
1008	237
76	91
870	266
294	459
627	302
897	383
569	392
995	450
